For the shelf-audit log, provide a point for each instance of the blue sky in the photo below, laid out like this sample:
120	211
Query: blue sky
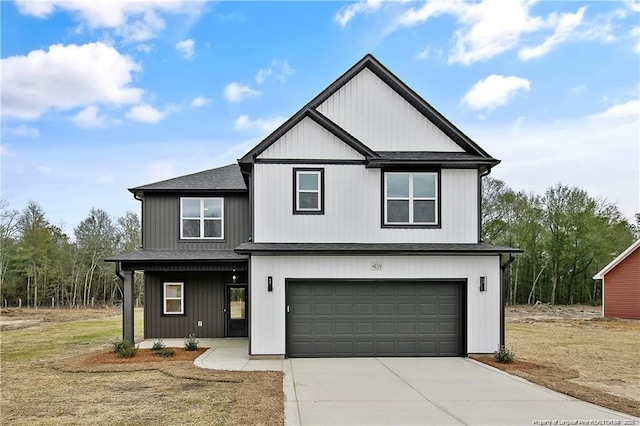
101	96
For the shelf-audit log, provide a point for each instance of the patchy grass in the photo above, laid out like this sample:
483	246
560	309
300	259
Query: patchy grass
59	367
574	351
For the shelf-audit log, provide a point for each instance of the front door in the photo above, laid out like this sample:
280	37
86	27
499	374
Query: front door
236	310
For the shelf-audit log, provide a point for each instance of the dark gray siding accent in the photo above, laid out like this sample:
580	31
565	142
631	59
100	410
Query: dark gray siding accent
161	223
204	301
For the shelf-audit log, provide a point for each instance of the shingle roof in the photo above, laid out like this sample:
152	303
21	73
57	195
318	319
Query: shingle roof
226	178
177	255
431	157
377	248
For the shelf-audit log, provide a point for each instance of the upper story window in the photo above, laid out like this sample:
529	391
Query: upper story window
411	199
202	218
308	191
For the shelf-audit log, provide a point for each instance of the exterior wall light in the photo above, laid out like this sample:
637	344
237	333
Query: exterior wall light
483	283
269	283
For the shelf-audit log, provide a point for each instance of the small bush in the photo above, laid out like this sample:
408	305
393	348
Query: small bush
157	345
191	343
124	348
165	352
504	355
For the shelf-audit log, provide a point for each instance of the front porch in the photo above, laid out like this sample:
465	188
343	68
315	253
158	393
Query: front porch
206	288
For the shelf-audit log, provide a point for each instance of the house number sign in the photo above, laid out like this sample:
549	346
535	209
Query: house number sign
376	266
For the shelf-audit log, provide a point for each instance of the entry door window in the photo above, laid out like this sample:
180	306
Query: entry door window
237	301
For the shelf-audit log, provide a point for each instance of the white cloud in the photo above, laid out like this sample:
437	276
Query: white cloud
424	53
594	154
200	101
487	29
6	152
279	69
66	77
345	14
145	113
262	74
628	109
185	47
494	91
22	131
262	125
145	48
90	118
131	20
565	26
236	93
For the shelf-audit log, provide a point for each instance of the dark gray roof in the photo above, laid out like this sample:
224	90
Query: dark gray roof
457	159
374	248
177	255
227	178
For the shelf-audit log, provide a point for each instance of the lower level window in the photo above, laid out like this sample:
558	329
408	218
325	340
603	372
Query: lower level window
173	299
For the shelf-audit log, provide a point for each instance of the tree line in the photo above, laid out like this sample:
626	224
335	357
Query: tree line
567	237
40	265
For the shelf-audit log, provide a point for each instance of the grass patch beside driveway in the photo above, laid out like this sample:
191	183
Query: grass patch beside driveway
45	379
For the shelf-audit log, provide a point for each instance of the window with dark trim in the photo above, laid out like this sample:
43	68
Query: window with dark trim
202	218
308	191
173	298
411	199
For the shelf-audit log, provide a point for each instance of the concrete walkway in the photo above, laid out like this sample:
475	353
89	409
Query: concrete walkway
405	391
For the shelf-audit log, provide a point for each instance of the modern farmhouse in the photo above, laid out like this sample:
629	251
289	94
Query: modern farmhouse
352	230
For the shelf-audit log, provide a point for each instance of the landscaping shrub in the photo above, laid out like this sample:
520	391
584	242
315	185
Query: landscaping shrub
504	355
165	352
191	343
124	348
157	345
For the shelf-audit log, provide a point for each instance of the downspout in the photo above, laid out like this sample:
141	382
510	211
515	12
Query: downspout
119	271
503	267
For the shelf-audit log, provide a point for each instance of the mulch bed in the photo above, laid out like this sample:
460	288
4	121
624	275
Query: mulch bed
142	356
558	379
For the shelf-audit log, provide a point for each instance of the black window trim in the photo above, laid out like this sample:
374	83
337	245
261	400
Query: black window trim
183	239
383	203
295	190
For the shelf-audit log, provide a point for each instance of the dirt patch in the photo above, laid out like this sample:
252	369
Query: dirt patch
559	380
259	398
19	318
580	352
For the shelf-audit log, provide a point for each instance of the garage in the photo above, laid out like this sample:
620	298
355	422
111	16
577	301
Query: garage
354	318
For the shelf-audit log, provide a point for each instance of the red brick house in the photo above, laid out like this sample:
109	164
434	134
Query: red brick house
621	284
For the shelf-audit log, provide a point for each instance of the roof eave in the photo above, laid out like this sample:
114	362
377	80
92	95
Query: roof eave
622	256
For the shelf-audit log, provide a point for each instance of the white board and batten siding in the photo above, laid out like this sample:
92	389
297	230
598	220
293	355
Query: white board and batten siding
380	118
352	208
268	309
309	141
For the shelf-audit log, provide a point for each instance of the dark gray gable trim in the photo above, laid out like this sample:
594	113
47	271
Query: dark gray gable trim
320	119
370	62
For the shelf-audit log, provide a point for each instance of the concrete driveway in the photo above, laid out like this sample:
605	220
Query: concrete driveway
424	391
